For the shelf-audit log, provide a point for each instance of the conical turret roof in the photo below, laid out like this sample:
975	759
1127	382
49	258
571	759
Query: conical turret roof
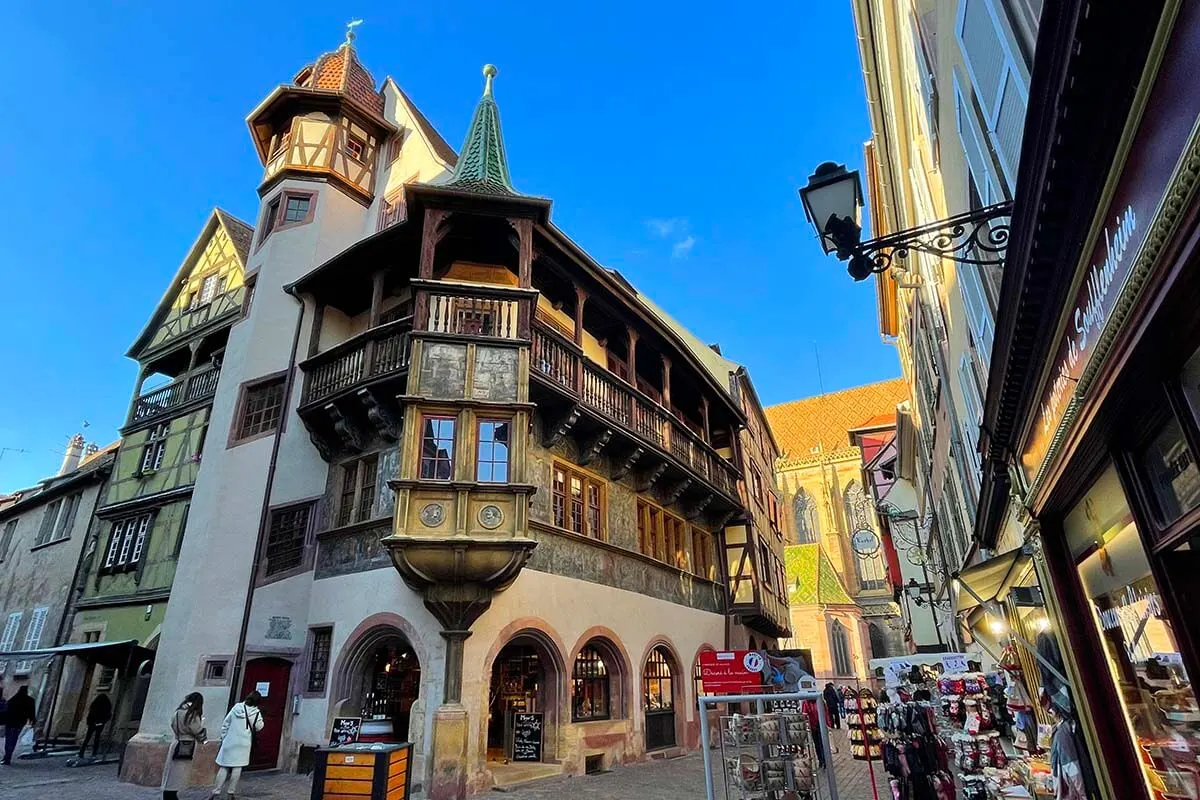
482	165
341	71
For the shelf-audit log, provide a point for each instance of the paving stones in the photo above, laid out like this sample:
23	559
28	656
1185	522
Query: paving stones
674	779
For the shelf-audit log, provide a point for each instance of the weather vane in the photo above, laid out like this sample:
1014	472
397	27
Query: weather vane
350	26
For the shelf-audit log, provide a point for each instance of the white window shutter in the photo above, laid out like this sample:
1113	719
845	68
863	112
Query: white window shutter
974	148
10	631
974	407
998	83
979	311
33	636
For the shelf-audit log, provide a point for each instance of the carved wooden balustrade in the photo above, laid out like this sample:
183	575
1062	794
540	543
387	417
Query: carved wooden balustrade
380	351
164	400
560	362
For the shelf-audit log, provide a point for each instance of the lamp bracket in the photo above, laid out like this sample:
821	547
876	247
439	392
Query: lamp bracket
977	238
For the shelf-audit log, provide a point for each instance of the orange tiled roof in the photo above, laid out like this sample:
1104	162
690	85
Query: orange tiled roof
341	71
801	425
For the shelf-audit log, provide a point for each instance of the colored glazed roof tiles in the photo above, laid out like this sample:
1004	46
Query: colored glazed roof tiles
812	578
341	71
482	164
804	427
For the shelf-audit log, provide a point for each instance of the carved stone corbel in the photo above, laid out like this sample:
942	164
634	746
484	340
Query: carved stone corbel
346	430
626	466
386	422
556	431
323	447
651	477
595	447
721	520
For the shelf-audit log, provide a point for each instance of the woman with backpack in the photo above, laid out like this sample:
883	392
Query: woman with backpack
237	734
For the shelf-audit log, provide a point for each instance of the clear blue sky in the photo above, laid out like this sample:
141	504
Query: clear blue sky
671	136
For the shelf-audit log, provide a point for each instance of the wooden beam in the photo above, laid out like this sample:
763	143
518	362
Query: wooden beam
581	297
633	339
704	419
666	382
376	298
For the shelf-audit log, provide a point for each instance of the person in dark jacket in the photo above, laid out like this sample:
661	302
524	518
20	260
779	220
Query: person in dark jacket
99	713
19	712
832	705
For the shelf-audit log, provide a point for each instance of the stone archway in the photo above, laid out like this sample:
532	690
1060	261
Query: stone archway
527	674
377	677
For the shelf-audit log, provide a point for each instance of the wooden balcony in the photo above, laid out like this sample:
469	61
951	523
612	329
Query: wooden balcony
557	362
350	389
167	400
474	310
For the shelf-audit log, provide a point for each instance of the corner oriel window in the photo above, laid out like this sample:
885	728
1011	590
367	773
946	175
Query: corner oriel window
437	448
491	464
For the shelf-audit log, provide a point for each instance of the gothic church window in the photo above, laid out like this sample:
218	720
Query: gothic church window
808	525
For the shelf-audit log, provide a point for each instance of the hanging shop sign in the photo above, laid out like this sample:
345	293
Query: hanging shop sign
865	542
1167	122
731	671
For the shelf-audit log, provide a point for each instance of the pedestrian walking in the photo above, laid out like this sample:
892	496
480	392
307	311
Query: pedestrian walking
99	713
188	727
20	712
809	707
833	706
237	736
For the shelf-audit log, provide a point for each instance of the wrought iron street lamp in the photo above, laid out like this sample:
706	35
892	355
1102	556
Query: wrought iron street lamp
833	203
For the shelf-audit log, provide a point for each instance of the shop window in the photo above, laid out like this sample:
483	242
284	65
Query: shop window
578	502
589	686
357	500
840	648
437	448
287	539
491	464
808	525
1170	471
1137	633
657	686
318	660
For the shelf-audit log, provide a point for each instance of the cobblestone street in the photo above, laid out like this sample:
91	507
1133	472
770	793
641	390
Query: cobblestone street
678	779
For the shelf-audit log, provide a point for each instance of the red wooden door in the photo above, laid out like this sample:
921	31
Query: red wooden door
269	677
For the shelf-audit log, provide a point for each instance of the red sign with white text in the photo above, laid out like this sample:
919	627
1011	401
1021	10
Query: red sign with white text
731	671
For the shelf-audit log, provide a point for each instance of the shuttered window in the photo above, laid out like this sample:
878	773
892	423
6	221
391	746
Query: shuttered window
33	635
1001	89
979	310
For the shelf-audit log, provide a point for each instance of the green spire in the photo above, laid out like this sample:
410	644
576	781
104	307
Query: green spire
482	166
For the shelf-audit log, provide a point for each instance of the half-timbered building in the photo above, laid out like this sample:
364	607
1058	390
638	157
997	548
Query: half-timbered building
456	469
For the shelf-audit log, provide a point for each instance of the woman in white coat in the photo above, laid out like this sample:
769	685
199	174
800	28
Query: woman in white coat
237	734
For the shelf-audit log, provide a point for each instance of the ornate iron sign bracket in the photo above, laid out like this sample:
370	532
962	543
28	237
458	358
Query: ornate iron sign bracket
976	238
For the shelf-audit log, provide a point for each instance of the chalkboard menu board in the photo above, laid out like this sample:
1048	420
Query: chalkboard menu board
527	737
345	730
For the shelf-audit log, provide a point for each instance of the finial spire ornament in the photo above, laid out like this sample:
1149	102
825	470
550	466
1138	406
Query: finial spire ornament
482	165
350	35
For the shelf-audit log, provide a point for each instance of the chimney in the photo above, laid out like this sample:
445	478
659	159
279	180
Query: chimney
89	452
74	451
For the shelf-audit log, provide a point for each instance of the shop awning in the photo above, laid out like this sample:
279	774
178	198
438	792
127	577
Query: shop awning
108	654
989	581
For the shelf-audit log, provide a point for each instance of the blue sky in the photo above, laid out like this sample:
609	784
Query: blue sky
671	136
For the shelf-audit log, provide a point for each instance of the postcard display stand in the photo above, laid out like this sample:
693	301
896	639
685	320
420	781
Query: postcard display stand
769	755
